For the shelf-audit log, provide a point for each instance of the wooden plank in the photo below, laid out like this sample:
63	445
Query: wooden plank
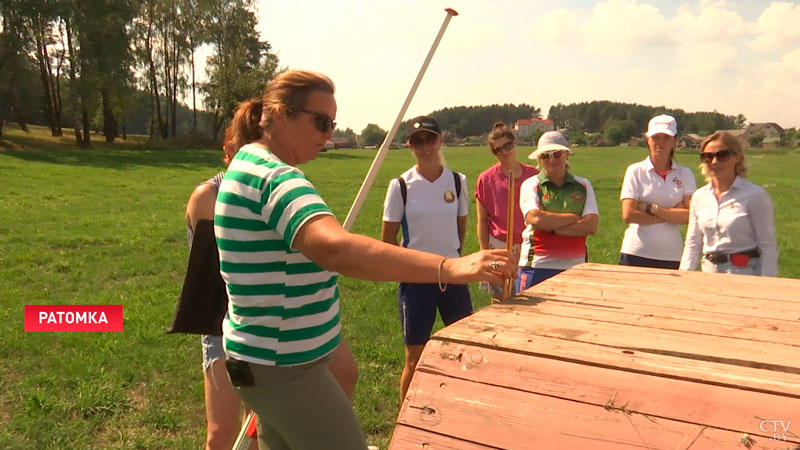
683	288
684	401
713	324
774	285
773	356
744	286
568	288
476	330
511	419
409	438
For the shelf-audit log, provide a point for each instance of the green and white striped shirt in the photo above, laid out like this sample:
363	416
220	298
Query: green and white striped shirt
283	309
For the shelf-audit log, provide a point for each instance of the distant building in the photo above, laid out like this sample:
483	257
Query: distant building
690	140
340	142
767	130
740	135
524	128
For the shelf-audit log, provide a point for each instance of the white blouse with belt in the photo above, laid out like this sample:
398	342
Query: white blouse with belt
740	220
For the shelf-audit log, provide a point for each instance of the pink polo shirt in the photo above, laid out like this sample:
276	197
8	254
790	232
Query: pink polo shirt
492	192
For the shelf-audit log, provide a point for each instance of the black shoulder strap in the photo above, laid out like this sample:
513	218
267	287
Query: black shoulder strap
457	177
403	190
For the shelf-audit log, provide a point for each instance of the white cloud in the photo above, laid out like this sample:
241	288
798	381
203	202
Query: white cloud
543	53
706	58
615	28
620	27
777	26
772	93
714	22
556	27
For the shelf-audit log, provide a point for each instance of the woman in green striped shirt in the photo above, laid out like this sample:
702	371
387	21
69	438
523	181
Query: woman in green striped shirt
281	250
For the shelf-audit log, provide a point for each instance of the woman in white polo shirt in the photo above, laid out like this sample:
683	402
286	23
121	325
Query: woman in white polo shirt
730	222
656	194
429	201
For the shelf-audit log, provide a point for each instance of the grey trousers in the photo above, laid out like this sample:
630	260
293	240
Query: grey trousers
301	408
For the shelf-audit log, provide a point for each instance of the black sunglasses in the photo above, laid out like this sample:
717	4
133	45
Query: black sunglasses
722	156
322	121
421	139
503	148
555	155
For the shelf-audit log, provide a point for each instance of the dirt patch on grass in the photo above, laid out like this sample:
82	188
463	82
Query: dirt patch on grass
9	380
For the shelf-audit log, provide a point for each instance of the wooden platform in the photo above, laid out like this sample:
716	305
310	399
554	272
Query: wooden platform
615	357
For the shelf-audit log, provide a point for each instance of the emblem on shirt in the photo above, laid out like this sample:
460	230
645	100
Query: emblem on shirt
449	196
678	182
546	196
577	197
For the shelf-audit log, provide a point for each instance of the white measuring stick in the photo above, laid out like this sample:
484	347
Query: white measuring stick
376	163
245	440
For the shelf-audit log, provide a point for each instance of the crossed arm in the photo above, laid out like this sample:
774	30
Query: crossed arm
633	211
565	224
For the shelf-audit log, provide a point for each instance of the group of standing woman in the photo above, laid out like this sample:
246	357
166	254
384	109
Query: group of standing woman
730	219
281	249
731	225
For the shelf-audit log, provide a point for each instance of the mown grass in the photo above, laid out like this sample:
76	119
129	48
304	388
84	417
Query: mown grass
107	227
38	138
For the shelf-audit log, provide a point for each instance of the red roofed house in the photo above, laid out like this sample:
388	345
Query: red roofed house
525	127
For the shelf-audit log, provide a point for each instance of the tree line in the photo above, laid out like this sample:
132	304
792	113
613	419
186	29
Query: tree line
457	123
96	64
587	122
617	122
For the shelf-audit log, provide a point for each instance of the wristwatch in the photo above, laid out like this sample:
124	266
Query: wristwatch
648	208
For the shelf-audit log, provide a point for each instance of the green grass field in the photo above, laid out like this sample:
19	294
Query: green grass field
106	227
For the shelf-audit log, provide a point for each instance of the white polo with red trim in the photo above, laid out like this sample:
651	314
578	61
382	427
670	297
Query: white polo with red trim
661	241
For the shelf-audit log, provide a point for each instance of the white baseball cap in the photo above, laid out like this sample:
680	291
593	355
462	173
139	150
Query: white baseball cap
550	142
662	124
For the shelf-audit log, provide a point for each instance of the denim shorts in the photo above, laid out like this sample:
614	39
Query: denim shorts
212	349
753	267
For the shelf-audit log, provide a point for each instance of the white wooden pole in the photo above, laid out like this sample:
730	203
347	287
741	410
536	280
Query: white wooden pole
381	155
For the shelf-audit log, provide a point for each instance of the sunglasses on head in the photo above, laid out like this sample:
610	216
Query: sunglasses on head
322	121
421	139
503	148
555	155
722	156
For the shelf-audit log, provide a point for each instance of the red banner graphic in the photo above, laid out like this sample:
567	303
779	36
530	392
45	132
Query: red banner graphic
71	318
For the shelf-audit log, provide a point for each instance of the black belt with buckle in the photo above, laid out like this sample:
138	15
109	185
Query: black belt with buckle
722	258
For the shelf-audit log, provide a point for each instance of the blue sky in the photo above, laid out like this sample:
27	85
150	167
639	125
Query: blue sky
730	56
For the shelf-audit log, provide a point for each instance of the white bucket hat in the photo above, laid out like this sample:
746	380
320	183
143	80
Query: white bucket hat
550	142
662	124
